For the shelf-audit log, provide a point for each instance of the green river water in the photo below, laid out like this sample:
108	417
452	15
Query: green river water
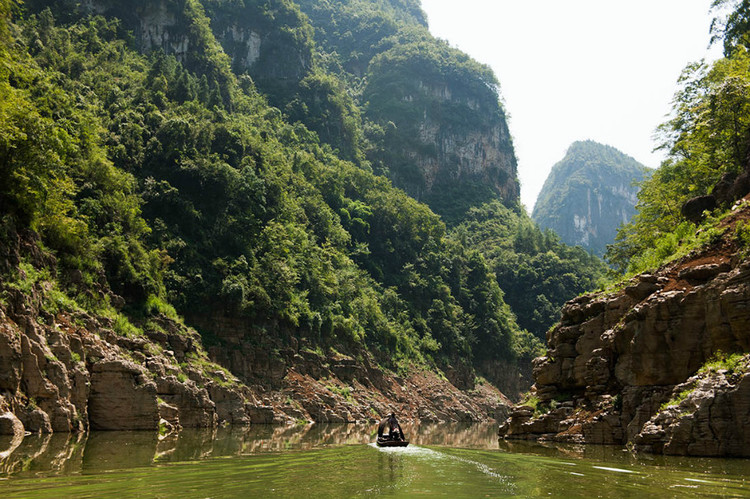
341	461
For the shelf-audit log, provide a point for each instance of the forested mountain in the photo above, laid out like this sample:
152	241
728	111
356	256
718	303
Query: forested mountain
432	119
164	177
664	356
223	165
589	194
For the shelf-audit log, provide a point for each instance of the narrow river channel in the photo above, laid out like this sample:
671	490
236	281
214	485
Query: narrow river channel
340	461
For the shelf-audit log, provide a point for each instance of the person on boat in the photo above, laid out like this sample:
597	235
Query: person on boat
394	429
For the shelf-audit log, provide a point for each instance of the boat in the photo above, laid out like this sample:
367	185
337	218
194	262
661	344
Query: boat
387	442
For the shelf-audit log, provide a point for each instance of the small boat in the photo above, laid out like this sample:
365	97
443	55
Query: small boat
387	442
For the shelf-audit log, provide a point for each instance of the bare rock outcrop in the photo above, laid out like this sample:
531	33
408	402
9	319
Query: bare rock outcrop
615	360
712	420
70	372
122	397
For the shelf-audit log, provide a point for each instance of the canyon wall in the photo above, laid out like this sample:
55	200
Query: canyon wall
658	365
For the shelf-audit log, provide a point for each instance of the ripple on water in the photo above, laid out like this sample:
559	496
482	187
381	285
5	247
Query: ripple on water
309	464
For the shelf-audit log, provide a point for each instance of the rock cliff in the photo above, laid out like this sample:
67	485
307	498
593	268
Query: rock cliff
270	41
658	365
446	141
71	371
302	383
588	195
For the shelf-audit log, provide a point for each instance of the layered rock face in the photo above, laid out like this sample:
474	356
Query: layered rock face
480	157
69	373
616	361
302	384
589	194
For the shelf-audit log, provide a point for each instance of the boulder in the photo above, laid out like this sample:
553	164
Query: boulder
693	208
11	425
122	397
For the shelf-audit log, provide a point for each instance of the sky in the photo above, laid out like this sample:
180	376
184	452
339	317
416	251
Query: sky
573	70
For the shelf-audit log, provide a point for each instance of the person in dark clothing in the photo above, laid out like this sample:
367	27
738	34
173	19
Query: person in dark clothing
394	429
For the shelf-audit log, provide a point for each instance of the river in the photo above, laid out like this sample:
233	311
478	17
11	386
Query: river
340	461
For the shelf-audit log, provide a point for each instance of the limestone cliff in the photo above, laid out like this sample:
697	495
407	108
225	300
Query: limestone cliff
270	41
588	195
66	370
648	365
447	141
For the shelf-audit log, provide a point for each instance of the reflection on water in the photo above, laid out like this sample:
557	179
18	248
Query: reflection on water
101	451
341	461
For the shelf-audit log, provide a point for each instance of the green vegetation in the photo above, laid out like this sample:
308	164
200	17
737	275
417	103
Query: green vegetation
536	272
594	183
147	184
707	139
732	363
677	399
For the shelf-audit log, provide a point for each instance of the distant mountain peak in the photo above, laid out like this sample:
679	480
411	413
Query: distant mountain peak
589	194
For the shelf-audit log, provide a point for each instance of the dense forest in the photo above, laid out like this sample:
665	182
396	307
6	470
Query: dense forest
141	180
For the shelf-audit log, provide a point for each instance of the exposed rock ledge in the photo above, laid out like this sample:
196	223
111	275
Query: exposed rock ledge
70	372
616	361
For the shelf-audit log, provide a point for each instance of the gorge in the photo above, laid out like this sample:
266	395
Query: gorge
224	212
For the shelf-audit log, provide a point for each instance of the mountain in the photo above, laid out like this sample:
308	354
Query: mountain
589	194
366	76
660	360
188	236
433	119
206	217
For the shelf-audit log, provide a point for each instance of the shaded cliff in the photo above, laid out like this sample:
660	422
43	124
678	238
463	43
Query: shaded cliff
589	194
432	118
661	364
137	189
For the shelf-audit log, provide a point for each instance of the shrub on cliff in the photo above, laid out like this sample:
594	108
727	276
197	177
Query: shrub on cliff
707	137
140	174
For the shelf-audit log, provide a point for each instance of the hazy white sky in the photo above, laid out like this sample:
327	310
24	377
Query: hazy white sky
579	69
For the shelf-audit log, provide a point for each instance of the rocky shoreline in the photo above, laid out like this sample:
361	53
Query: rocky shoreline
70	372
647	366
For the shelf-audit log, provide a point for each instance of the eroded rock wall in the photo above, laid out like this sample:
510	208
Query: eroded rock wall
70	372
615	361
301	383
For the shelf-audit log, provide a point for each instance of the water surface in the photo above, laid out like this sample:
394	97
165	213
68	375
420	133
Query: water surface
340	461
